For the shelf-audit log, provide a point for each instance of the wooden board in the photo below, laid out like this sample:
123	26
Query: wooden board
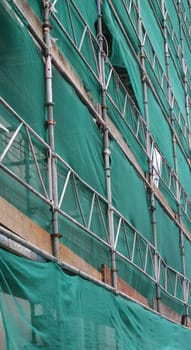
21	225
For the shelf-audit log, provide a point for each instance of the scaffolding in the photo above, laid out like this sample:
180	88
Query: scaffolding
104	167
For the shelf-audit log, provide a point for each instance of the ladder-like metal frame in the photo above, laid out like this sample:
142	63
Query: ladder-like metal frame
138	251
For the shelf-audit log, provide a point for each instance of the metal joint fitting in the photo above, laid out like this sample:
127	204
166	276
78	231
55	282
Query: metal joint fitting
144	77
114	270
50	104
103	54
153	208
47	27
54	156
49	153
142	55
104	90
51	122
104	106
99	37
56	235
107	152
46	3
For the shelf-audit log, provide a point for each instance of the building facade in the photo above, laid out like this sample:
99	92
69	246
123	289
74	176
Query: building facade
95	167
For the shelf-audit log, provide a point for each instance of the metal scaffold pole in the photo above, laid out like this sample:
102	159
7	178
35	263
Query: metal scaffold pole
174	141
150	162
51	124
185	80
182	248
106	150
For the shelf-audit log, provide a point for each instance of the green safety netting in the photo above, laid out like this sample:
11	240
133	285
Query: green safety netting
172	11
77	137
135	278
183	171
89	16
187	247
79	141
122	54
182	135
64	8
78	37
186	221
21	71
128	190
177	87
157	8
128	128
175	305
161	93
173	49
187	53
159	126
128	14
43	307
168	239
169	194
36	6
76	134
187	9
150	22
60	6
83	244
22	86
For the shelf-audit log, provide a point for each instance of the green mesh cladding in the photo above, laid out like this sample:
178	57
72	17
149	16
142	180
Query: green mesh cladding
168	236
171	8
77	137
183	171
43	307
127	192
122	54
21	71
155	34
22	86
71	40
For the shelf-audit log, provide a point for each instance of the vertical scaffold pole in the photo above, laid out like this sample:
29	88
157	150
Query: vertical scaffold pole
184	68
51	123
170	98
149	155
167	62
188	100
185	81
106	146
182	248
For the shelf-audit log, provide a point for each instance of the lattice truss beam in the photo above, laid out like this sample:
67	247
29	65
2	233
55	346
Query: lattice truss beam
24	152
21	147
121	101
